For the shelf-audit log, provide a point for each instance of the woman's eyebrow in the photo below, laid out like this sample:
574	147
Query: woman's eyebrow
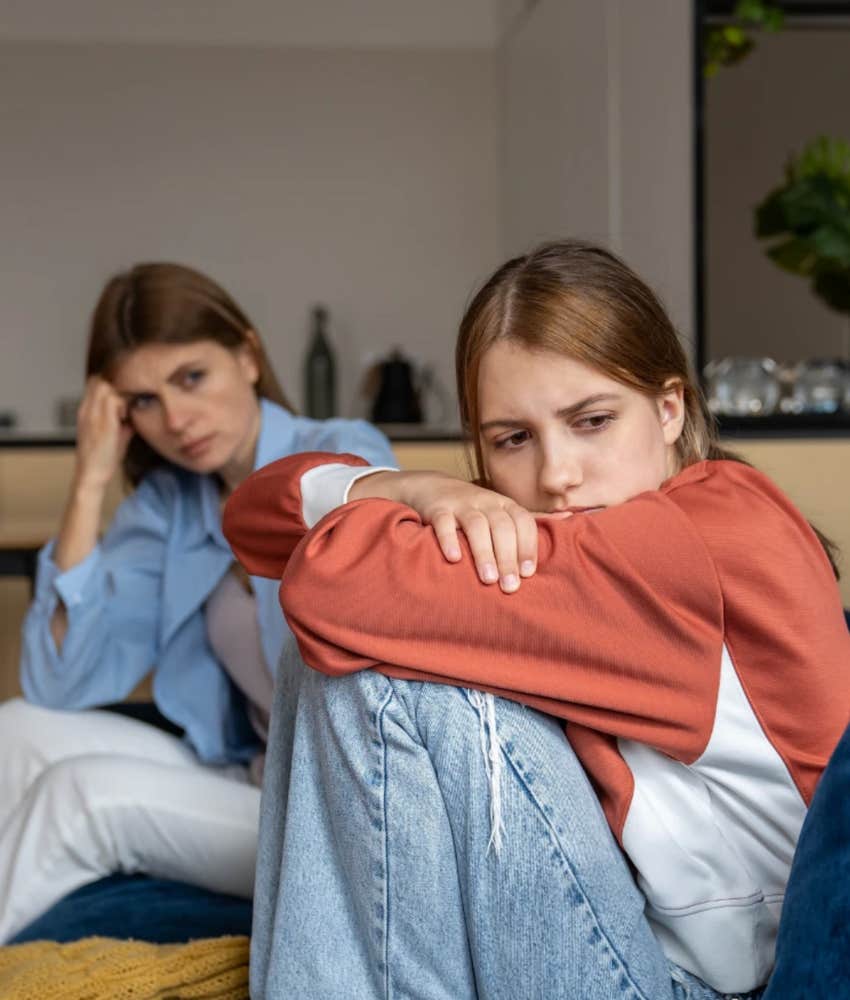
566	411
179	371
182	369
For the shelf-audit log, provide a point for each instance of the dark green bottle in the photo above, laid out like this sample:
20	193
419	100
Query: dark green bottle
320	370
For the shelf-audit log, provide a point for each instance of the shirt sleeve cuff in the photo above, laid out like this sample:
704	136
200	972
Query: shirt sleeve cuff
72	584
326	487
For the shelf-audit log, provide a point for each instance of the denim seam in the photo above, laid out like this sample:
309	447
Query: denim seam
553	833
380	729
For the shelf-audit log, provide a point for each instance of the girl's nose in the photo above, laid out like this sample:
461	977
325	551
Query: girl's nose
561	473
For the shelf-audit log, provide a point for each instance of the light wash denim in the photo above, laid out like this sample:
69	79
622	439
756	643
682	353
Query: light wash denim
374	877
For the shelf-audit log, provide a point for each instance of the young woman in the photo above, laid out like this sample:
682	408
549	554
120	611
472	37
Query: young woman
180	393
421	837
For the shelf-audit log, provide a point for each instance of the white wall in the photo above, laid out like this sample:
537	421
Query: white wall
597	140
384	181
368	180
291	23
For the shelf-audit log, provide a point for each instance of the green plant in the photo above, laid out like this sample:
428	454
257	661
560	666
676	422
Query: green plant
810	214
730	43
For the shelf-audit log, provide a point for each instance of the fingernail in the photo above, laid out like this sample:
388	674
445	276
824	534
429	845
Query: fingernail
527	568
453	554
489	574
510	582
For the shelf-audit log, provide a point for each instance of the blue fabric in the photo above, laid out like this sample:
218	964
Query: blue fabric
136	906
138	598
813	948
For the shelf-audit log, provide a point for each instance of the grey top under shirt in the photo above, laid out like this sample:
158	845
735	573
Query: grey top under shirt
234	635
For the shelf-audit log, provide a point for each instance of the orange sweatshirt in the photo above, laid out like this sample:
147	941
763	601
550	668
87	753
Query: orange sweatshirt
693	638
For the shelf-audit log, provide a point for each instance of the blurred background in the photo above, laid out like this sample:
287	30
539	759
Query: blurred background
379	157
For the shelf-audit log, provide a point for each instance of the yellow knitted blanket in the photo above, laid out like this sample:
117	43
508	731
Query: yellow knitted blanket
106	969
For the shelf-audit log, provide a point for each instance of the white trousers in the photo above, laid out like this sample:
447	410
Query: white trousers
87	794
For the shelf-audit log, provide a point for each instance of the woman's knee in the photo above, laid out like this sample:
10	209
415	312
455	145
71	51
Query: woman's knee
23	724
87	782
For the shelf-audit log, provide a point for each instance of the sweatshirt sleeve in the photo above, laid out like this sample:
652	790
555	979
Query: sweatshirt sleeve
264	519
620	629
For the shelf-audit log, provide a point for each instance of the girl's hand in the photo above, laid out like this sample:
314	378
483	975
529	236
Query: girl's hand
502	535
103	434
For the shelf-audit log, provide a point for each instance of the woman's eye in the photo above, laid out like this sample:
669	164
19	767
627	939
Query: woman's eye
513	441
594	422
191	379
142	401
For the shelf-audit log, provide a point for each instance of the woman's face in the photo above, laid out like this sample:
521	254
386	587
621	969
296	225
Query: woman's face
557	434
194	404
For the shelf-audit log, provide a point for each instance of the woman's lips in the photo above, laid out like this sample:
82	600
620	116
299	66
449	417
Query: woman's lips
196	448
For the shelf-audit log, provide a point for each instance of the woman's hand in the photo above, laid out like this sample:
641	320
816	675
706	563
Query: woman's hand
103	434
502	535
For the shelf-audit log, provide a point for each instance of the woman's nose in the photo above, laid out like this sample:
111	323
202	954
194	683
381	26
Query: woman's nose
177	415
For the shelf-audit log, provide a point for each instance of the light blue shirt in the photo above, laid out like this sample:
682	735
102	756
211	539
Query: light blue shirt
135	603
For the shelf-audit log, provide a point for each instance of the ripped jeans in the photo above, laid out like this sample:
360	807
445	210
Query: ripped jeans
378	874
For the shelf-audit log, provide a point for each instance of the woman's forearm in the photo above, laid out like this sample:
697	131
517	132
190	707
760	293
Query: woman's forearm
78	534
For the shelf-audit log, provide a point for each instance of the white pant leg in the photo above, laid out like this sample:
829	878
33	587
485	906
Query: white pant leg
32	738
87	816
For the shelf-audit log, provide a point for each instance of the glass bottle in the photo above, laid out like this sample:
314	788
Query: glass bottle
319	370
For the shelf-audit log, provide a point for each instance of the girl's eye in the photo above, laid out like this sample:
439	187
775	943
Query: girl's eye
513	441
142	402
192	378
594	422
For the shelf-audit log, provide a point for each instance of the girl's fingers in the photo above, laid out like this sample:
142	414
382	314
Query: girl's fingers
476	527
526	540
504	534
445	528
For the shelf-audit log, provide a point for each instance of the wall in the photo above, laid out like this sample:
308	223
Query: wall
597	136
792	88
312	23
367	179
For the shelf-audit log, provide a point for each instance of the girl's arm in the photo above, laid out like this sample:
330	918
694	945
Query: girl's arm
620	629
274	508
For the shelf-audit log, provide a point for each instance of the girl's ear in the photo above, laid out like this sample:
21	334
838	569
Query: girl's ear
671	410
248	354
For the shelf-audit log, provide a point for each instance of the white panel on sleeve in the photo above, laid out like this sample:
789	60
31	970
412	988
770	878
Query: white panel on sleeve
326	487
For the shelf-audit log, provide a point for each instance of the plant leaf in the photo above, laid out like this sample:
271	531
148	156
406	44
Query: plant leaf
770	215
794	255
833	286
833	244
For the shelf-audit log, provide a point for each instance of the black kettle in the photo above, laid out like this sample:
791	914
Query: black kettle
397	396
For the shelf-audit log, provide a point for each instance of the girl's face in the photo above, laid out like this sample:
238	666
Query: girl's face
194	404
557	434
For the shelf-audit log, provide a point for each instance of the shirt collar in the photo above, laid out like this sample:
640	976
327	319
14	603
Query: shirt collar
276	438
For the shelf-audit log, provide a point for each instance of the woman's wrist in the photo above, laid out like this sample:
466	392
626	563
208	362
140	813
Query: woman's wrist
88	486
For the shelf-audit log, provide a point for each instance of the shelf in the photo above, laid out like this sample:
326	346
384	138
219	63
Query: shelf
786	425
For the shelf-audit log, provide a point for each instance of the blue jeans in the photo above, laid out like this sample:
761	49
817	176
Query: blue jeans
374	877
813	949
